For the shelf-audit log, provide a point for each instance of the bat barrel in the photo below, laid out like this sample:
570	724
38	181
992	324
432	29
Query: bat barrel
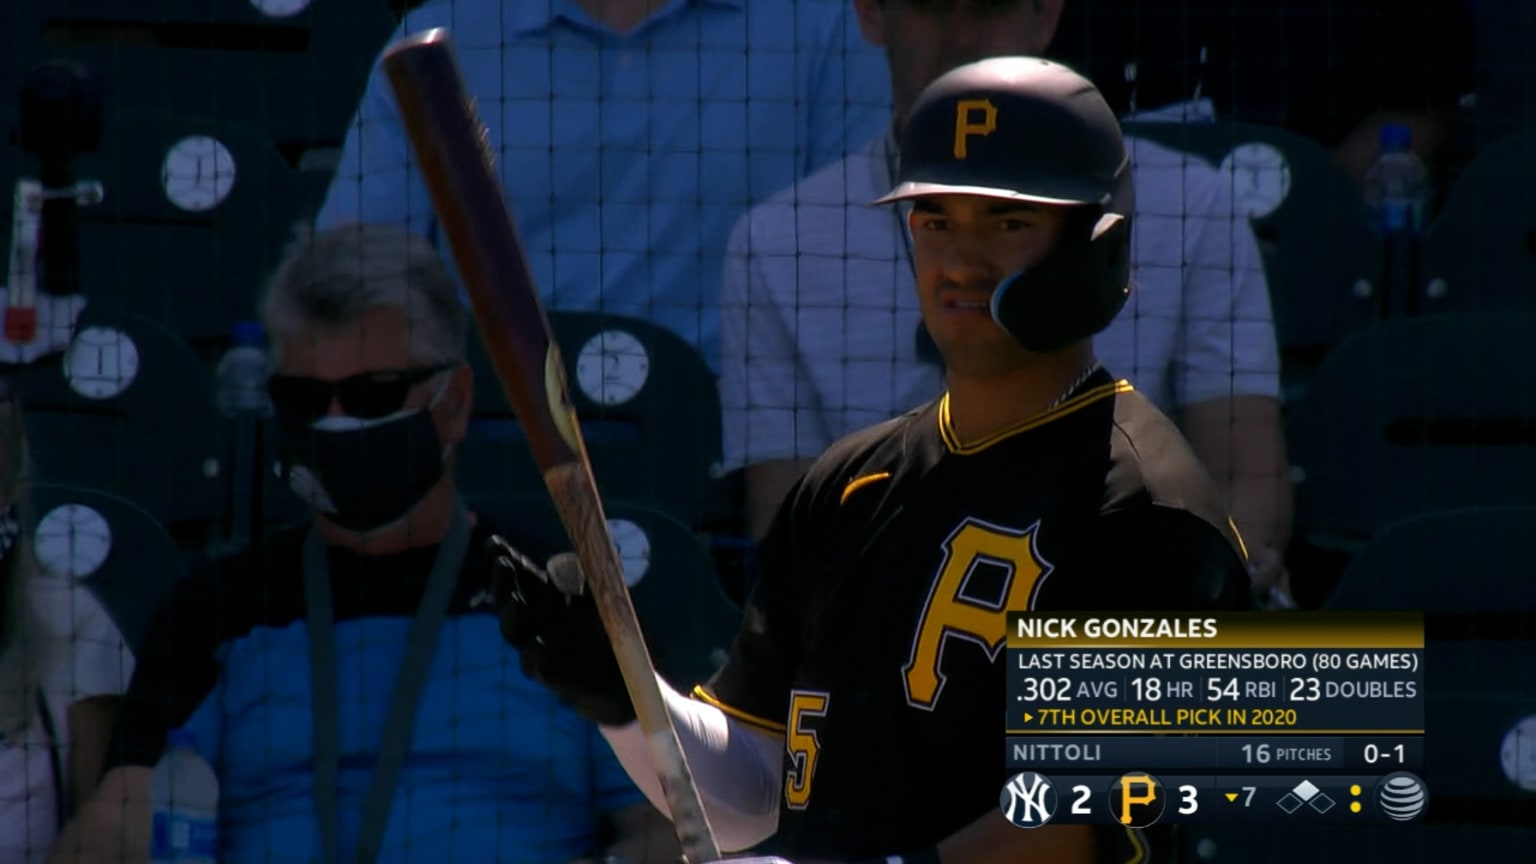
458	167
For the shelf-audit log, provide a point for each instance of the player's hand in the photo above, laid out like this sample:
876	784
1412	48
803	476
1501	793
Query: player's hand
550	618
1271	579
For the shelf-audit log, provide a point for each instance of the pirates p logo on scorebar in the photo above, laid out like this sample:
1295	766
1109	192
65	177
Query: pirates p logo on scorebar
1136	800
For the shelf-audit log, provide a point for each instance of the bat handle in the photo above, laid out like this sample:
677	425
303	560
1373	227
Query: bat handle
573	491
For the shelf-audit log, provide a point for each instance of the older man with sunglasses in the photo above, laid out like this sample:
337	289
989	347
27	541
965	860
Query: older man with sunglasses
347	678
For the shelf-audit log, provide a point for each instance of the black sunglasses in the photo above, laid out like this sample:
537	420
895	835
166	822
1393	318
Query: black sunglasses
367	395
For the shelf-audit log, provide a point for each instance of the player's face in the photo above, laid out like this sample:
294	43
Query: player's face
962	247
923	39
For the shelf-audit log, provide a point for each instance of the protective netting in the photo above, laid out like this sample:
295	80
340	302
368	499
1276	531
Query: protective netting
1344	339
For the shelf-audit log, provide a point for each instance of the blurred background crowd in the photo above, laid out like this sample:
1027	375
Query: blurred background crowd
215	206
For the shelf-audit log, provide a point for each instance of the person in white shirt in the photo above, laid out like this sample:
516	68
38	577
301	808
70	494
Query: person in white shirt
62	663
821	331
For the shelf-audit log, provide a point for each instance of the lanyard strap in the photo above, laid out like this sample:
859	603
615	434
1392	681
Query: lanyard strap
421	645
61	790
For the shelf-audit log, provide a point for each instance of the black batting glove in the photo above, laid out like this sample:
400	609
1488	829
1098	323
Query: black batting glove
550	618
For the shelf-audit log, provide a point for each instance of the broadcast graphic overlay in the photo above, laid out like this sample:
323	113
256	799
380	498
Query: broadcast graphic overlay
1298	718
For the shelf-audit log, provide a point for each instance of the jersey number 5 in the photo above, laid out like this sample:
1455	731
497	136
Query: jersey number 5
953	613
804	746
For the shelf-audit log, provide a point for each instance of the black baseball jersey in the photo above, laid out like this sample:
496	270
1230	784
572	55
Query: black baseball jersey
873	640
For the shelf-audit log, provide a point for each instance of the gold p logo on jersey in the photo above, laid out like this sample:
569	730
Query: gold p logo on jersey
967	124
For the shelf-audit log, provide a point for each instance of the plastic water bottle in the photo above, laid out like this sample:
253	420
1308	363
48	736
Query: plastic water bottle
241	375
1397	185
241	395
184	803
1397	193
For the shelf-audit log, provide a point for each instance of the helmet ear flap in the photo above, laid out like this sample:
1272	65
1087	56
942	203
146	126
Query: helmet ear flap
1111	260
1107	223
1076	291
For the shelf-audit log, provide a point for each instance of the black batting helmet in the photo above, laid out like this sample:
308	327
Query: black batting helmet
1028	129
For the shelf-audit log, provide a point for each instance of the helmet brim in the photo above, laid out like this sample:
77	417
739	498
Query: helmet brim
913	189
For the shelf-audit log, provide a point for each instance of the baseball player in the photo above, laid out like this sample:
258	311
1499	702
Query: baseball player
859	715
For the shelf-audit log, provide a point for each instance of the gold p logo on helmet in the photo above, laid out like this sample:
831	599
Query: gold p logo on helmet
967	125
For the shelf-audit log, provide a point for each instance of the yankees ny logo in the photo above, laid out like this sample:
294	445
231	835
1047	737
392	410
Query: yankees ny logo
1028	800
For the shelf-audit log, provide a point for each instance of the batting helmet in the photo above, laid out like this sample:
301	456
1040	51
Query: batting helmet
1027	129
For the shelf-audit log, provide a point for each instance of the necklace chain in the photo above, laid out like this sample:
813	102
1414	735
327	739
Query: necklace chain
1072	388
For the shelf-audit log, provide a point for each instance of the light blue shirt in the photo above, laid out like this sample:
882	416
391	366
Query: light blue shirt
627	158
498	770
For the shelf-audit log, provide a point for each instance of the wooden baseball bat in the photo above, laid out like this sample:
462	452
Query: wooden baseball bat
453	152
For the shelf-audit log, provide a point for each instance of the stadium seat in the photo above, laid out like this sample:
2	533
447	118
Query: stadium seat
1415	562
276	91
119	550
1480	718
1464	569
1480	254
1323	261
648	407
689	623
128	409
1506	91
196	270
1415	415
153	173
296	76
1347	844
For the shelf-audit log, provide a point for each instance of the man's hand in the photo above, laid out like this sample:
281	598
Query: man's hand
548	616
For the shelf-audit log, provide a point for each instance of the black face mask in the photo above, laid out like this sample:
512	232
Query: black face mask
364	474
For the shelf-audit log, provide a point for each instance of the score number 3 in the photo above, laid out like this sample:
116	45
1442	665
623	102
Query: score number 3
1189	800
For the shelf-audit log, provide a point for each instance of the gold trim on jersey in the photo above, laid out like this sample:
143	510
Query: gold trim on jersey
858	483
1242	545
1082	400
708	698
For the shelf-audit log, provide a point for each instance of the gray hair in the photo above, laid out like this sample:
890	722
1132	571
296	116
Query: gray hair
332	278
24	646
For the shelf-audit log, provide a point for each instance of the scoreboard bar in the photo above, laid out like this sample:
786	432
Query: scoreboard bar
1320	630
1274	754
1214	717
1233	674
1143	799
